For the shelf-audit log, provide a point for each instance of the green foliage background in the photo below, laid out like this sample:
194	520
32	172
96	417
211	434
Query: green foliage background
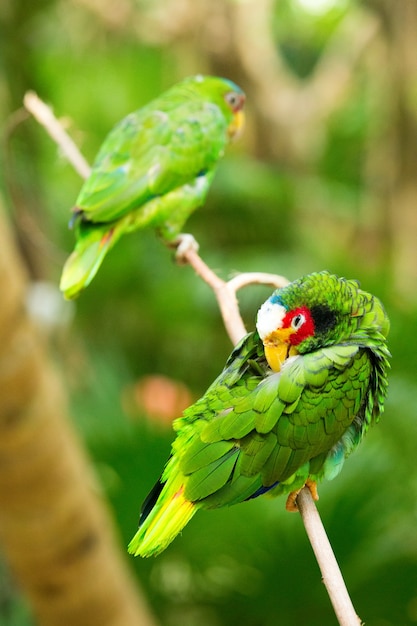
143	315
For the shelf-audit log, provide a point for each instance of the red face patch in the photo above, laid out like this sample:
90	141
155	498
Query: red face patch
301	322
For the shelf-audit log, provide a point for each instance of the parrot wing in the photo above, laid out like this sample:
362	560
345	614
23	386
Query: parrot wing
251	431
150	153
263	437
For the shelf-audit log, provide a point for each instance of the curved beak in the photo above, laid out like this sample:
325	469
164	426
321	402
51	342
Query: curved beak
236	125
278	348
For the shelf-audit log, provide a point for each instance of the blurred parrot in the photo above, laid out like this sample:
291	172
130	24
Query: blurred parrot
293	401
153	169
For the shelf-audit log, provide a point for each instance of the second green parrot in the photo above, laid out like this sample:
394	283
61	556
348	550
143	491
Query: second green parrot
294	400
153	169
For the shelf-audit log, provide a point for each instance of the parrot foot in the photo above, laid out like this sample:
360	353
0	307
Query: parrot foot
183	244
291	504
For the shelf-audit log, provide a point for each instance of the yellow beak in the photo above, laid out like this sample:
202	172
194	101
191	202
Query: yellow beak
278	348
236	126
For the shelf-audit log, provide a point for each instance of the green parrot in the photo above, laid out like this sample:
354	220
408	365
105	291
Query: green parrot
293	401
154	169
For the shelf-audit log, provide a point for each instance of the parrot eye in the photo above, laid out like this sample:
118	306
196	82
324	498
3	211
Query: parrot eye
298	321
301	323
234	100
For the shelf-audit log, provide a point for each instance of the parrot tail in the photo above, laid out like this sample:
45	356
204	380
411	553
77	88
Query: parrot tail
164	514
93	243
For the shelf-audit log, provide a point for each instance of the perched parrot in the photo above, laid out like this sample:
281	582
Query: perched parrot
153	169
294	400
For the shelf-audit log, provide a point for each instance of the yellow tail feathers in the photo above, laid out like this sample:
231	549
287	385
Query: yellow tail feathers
168	517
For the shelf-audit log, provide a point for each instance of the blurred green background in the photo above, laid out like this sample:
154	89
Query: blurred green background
324	178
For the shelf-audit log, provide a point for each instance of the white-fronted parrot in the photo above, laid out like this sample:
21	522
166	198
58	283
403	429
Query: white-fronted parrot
293	401
153	169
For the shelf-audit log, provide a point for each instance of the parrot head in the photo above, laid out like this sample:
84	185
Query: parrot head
235	100
226	95
316	311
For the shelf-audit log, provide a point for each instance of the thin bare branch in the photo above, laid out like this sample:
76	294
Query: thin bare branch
332	576
45	116
225	292
256	278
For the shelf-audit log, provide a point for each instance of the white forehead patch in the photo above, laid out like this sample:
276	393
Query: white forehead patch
269	318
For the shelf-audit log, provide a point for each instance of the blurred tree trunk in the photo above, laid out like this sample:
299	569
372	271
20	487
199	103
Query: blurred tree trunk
56	531
399	188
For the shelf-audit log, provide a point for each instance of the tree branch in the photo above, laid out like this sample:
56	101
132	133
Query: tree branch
225	293
332	576
45	116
